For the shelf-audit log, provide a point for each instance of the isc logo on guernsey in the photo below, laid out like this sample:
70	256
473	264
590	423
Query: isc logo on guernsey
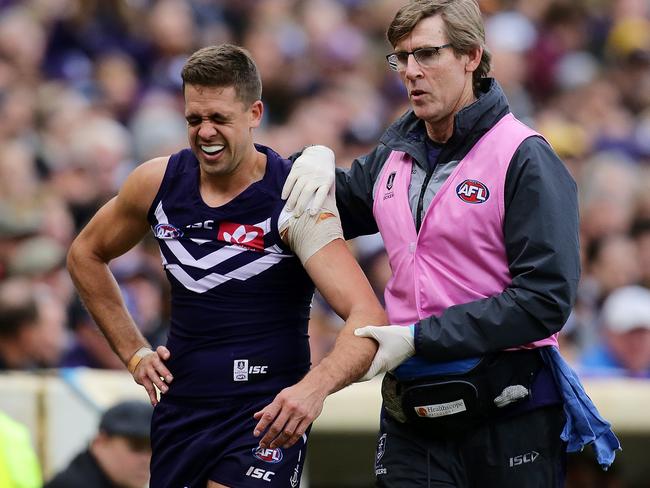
241	370
472	191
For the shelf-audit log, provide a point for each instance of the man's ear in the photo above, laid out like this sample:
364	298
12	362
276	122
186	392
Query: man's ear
101	438
474	56
256	112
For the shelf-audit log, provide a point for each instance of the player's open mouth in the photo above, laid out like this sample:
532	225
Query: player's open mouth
212	150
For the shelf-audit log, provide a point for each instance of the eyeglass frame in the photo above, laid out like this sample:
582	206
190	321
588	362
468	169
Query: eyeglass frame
394	66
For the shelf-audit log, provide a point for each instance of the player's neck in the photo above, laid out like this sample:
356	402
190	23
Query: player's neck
219	189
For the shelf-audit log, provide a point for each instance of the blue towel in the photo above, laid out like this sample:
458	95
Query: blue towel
584	425
417	367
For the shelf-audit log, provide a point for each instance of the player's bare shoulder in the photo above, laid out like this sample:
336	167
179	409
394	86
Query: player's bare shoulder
141	186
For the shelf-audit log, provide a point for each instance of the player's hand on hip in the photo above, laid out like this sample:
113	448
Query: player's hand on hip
149	370
396	344
289	415
311	176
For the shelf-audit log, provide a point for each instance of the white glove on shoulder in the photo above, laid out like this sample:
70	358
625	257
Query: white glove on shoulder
312	175
396	344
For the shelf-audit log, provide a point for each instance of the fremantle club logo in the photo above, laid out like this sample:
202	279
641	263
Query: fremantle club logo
472	191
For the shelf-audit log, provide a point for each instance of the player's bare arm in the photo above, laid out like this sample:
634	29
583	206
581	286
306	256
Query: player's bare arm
342	283
118	226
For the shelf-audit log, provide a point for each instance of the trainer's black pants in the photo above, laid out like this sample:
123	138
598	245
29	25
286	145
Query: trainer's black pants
524	451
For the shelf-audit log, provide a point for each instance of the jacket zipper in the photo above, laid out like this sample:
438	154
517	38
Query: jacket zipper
425	184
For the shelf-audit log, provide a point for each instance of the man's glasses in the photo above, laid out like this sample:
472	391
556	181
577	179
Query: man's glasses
425	57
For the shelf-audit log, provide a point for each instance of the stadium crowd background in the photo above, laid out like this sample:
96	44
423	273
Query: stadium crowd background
90	88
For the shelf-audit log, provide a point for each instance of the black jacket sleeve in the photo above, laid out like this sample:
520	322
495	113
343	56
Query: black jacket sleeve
542	247
354	193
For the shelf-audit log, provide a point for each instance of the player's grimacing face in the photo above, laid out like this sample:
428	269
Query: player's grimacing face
219	127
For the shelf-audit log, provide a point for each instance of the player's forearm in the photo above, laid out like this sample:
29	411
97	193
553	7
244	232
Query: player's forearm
351	356
101	296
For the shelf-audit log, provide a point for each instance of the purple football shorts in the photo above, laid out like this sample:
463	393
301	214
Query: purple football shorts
193	443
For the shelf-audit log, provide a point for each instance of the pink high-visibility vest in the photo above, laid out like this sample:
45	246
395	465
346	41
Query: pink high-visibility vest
459	254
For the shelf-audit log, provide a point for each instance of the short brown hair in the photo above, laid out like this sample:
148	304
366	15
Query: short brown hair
224	65
463	26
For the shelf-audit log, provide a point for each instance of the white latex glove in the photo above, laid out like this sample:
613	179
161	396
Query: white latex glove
312	175
396	344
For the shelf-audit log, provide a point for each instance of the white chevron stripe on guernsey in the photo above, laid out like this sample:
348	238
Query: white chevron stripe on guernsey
213	280
210	260
256	267
275	249
199	286
199	241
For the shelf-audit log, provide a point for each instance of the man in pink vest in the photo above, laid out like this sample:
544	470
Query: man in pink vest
479	218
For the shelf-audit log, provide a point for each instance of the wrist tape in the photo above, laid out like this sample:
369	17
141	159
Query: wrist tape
137	357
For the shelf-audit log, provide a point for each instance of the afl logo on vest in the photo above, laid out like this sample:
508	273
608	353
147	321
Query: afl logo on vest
472	191
167	231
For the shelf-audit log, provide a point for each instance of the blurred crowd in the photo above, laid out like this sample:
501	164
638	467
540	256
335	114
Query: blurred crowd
91	88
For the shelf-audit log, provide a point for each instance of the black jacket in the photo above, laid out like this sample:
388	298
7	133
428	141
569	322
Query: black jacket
82	472
540	233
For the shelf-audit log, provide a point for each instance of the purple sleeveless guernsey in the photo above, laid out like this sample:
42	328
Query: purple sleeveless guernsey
459	254
240	299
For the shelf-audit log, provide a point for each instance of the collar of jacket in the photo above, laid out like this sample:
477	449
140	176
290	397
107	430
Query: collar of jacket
408	133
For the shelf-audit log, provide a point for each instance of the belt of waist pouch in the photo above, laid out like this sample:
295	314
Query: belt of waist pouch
502	384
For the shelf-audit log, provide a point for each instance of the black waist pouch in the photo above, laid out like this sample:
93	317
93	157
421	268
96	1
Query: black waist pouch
451	404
